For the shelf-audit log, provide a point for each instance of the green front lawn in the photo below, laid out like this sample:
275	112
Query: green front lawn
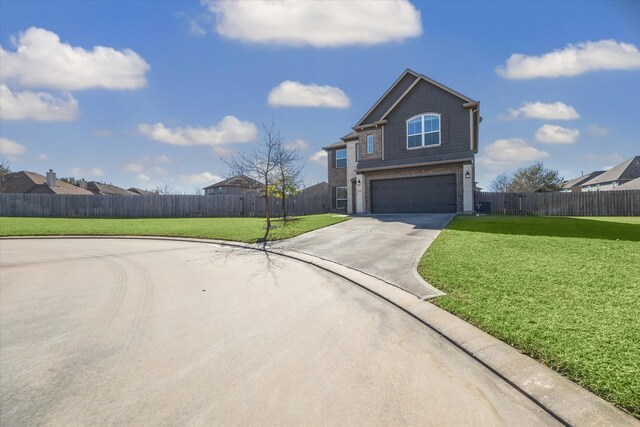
247	230
564	290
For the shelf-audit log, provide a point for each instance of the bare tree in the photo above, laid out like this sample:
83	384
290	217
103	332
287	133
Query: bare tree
261	164
288	174
5	169
533	178
500	183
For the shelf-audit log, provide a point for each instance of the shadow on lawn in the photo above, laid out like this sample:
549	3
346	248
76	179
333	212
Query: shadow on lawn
548	226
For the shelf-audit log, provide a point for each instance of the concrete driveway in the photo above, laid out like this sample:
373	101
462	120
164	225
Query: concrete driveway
147	332
388	247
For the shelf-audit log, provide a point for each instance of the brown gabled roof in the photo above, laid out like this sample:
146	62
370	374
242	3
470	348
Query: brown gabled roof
576	182
397	91
237	181
350	136
108	189
31	182
625	171
339	144
142	192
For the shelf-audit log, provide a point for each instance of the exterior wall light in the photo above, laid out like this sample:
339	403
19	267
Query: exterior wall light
467	175
358	182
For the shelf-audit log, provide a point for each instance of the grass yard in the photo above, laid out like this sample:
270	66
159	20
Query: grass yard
564	290
248	230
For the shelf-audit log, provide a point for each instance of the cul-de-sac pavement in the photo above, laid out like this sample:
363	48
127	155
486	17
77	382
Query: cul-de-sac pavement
115	331
168	331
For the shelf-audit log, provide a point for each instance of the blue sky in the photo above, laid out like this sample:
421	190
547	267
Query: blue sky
176	86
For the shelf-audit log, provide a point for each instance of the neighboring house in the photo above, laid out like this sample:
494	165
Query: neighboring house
319	189
573	186
634	184
413	151
142	192
31	182
617	175
106	189
240	184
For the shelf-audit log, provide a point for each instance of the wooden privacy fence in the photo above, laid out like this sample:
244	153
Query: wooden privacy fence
102	206
588	203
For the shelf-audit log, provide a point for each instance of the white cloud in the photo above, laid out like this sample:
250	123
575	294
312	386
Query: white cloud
143	177
508	153
298	144
10	148
80	172
221	151
159	170
316	23
553	134
42	157
133	168
161	159
573	60
200	178
228	131
319	157
102	133
296	94
41	106
504	155
42	60
597	130
540	110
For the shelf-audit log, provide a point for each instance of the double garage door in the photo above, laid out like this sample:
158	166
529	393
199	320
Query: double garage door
431	194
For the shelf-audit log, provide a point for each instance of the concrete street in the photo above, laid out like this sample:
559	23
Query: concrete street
385	246
149	332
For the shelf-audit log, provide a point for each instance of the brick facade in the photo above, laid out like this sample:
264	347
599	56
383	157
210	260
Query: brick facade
377	144
337	177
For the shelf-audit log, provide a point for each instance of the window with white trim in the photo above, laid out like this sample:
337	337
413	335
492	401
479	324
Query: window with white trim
369	144
341	158
357	151
341	197
423	131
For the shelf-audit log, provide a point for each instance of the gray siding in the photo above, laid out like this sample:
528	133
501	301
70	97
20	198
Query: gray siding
391	97
455	127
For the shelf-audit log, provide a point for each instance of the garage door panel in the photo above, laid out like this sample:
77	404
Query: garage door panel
433	194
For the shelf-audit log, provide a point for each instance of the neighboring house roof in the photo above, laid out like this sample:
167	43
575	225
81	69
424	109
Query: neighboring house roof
237	181
339	144
625	171
398	90
576	182
318	188
31	182
142	192
634	184
108	189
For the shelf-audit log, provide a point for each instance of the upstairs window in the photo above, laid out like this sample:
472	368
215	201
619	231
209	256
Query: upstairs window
341	158
423	131
369	144
357	151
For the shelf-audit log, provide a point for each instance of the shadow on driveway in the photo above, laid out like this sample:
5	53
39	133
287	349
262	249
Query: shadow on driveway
388	247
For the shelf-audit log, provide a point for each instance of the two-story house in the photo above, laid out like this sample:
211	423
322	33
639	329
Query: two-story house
412	152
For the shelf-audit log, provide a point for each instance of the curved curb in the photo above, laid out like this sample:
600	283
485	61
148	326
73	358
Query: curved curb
416	263
561	398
